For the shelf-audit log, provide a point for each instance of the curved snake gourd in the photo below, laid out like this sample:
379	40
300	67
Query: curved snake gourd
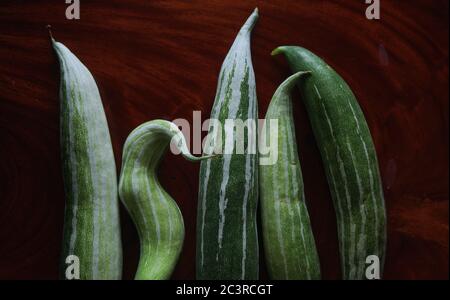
227	242
91	222
289	244
350	161
156	215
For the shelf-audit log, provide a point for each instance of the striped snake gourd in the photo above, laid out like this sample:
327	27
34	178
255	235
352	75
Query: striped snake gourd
227	239
91	221
156	215
289	245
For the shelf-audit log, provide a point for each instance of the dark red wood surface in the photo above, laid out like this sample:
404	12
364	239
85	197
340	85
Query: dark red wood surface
160	59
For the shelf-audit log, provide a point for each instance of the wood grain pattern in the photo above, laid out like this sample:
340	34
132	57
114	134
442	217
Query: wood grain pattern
161	59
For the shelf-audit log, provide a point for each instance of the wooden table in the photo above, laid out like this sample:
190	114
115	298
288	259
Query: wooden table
160	59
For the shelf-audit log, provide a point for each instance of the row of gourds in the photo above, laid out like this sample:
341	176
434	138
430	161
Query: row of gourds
230	184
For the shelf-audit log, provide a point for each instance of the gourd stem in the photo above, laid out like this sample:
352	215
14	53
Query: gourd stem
193	158
49	28
278	50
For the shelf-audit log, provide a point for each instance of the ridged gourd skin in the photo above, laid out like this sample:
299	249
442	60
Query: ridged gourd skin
91	221
227	239
289	246
156	215
349	159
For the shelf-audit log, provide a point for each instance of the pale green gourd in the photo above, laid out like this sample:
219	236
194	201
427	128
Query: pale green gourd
91	221
156	215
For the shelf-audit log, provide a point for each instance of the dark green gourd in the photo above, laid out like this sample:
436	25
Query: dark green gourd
289	245
91	222
227	243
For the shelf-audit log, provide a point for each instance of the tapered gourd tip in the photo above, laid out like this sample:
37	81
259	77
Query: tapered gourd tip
49	28
293	79
250	23
301	74
279	50
290	82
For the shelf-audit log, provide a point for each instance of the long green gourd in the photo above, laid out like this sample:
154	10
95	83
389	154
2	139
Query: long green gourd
289	245
91	222
349	158
156	215
227	242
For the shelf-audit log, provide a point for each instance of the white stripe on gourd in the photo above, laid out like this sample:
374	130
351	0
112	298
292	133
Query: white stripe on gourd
91	227
350	160
292	253
226	226
156	215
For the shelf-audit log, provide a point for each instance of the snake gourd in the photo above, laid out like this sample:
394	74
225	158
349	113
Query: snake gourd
227	241
156	215
91	221
289	244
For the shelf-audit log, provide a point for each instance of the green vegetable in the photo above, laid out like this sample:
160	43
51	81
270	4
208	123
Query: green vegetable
156	215
91	223
289	244
227	242
349	158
